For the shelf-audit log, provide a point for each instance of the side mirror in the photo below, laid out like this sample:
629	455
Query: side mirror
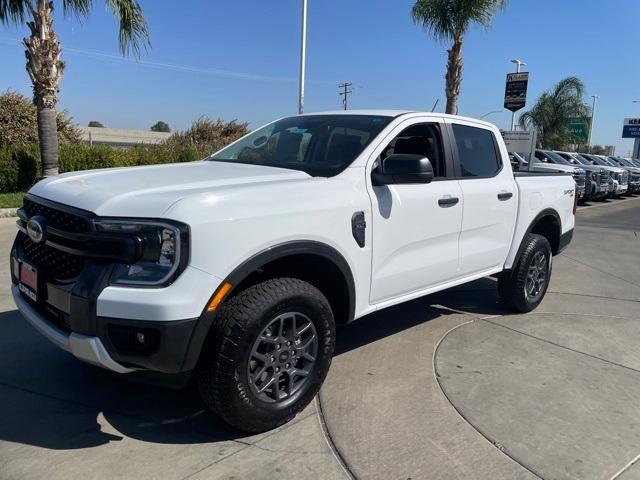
403	168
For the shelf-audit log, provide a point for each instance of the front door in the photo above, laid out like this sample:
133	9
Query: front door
415	226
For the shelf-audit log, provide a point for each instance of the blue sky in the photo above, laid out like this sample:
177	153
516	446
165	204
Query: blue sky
240	60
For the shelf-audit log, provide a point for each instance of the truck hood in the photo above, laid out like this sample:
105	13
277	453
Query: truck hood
150	190
556	167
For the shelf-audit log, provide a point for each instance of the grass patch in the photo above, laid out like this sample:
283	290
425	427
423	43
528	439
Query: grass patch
11	200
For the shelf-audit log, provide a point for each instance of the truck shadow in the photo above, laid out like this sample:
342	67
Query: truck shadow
50	399
478	298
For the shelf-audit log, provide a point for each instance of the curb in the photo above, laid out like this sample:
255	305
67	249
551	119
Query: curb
8	212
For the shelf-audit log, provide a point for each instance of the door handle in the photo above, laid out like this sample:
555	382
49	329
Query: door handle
448	201
502	196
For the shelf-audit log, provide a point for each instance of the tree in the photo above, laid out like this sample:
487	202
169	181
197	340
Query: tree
95	123
449	21
19	123
552	112
160	126
44	64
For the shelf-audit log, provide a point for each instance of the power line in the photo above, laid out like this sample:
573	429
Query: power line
346	91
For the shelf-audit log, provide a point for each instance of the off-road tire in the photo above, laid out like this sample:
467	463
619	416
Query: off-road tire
511	283
221	376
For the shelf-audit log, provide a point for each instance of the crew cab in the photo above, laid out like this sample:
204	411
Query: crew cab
238	268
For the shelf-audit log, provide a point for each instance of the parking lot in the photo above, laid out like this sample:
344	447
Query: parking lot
450	386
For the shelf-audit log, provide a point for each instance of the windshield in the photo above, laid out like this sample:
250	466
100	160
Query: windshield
320	145
555	157
581	160
598	160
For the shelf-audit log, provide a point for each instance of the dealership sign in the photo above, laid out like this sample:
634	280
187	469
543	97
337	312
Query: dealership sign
520	141
515	93
631	128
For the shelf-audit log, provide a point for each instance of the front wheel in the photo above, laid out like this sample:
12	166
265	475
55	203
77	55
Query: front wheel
269	353
523	288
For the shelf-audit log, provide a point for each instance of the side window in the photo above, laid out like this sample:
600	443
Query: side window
422	139
476	151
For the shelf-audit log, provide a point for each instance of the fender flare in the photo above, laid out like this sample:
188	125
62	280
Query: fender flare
242	271
544	213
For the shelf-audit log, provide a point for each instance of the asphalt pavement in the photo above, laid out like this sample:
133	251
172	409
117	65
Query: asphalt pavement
450	386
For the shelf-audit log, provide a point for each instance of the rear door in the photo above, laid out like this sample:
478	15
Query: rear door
490	197
415	227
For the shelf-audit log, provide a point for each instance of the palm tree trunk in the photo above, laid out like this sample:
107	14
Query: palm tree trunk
454	75
45	70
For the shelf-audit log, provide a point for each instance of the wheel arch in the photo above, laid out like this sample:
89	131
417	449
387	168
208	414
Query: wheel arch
317	263
314	262
548	224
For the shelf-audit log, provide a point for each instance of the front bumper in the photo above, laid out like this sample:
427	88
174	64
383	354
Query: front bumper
86	348
102	324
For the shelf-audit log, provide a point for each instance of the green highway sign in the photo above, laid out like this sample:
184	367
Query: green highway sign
579	128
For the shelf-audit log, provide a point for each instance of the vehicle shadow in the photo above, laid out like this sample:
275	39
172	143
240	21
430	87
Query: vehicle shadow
478	298
50	399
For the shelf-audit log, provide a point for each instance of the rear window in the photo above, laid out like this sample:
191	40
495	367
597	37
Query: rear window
477	151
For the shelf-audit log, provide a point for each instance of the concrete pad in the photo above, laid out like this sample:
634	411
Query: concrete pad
299	451
616	335
563	414
385	411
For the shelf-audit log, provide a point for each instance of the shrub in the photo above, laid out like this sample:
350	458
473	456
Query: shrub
18	122
20	164
207	136
8	172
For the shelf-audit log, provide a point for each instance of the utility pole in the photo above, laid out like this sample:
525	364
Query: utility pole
303	56
345	93
593	115
519	64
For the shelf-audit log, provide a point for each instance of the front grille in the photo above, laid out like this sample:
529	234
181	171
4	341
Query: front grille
56	218
580	179
625	177
56	264
604	177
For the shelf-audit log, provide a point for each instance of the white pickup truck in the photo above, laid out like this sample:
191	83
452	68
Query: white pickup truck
239	267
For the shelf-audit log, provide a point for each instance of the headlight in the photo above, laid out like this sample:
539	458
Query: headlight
163	246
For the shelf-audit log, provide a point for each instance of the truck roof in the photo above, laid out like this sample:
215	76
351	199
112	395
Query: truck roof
397	113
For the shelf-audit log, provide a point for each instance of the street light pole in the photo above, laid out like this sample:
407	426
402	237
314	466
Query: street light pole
519	64
490	113
303	55
593	115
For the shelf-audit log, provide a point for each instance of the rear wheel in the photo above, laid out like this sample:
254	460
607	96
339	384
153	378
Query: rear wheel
523	288
269	354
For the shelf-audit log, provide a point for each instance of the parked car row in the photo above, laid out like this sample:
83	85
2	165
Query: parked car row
596	176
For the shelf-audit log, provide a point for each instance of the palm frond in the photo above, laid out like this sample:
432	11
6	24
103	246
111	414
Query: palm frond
78	8
554	109
134	32
13	11
450	19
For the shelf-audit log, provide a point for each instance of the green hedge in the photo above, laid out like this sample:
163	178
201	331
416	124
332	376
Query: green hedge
20	164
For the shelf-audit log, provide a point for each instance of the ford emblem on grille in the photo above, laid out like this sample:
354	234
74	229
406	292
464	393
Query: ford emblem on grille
36	229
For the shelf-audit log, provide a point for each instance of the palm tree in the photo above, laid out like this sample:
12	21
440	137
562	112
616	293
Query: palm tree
44	64
553	111
449	21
